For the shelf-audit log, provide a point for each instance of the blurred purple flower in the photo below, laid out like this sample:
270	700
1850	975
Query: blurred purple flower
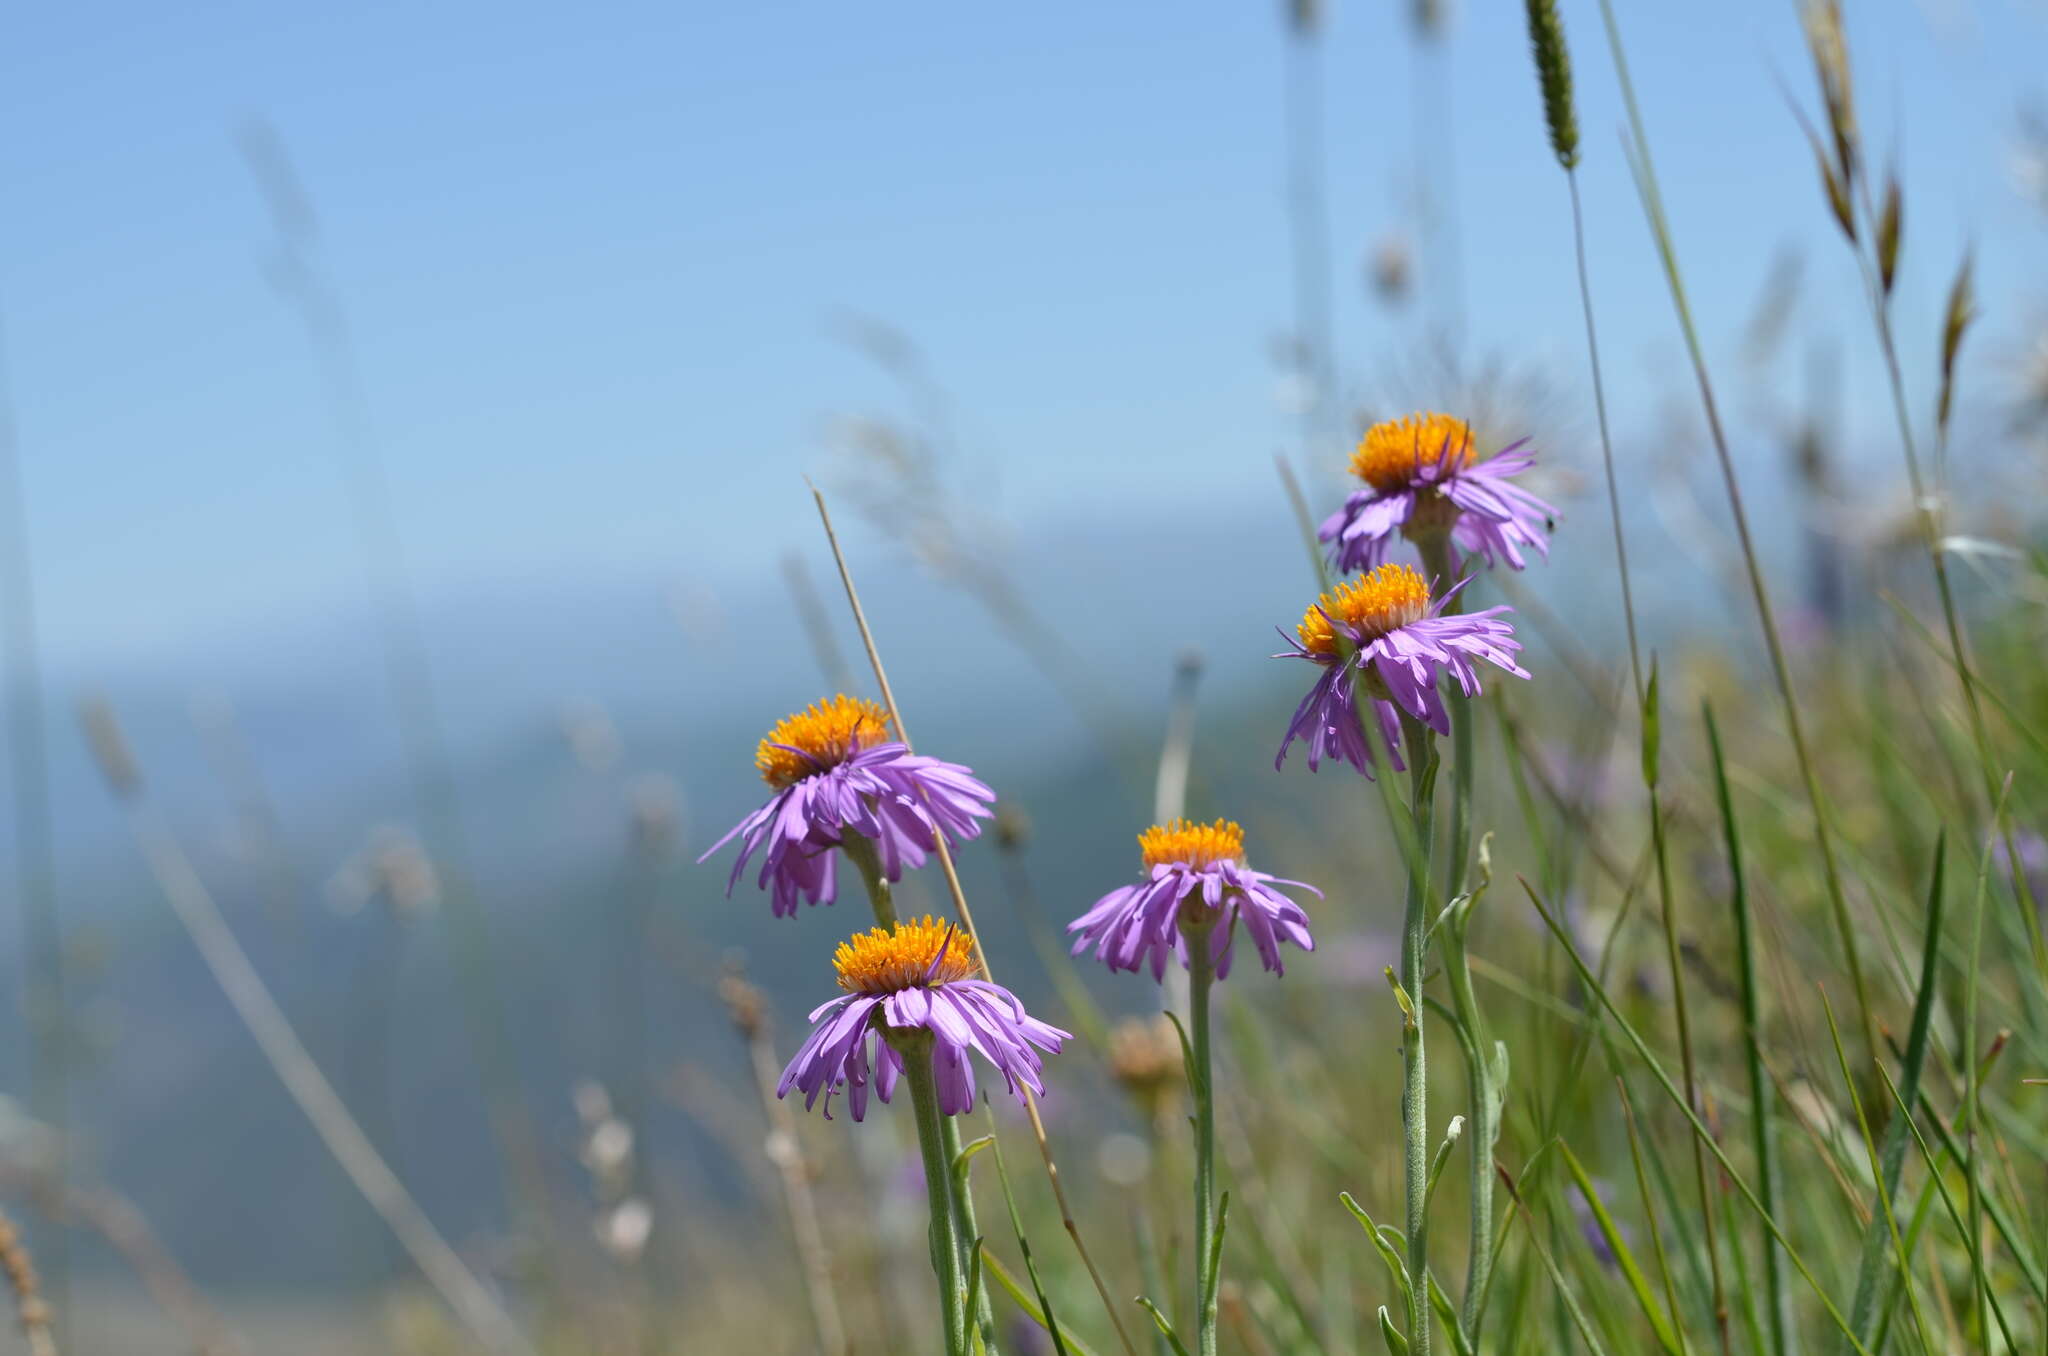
1589	1225
1420	475
2032	851
1027	1338
1361	957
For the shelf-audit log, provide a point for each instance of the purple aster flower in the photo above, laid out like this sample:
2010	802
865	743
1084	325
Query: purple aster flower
1382	631
834	769
1421	476
913	988
1195	874
2032	851
1589	1224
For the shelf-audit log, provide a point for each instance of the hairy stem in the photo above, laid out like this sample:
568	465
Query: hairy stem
938	1174
1421	745
1201	977
861	852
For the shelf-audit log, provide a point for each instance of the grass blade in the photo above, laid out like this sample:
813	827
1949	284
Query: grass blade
1862	1310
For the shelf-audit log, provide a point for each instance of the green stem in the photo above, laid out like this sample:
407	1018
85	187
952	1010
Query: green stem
969	1234
1208	1268
938	1171
1778	1300
1421	744
1486	1065
861	852
1652	725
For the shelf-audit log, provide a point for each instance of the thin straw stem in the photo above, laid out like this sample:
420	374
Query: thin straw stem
1628	601
29	1305
945	855
1668	906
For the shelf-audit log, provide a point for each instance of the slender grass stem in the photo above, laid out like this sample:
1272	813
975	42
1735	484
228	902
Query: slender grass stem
1628	601
1692	1117
1781	672
944	852
1893	1156
1927	513
1973	1082
1777	1300
1689	1068
1635	1154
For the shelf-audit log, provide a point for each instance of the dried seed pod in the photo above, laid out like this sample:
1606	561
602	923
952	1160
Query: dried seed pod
1961	310
1830	49
1554	72
1836	186
103	735
1889	225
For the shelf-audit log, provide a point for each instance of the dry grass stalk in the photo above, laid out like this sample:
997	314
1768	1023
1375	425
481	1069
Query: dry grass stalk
117	1221
1889	225
1956	318
1826	40
20	1270
945	855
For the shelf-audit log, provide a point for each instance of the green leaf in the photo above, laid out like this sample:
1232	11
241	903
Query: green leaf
1653	728
1397	1345
1397	1268
1165	1328
1877	1238
1660	1323
1061	1342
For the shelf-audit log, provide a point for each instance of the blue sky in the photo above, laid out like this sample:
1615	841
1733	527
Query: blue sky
589	258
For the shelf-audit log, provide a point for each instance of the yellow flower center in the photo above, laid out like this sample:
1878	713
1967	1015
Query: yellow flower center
829	732
1390	453
1198	845
881	961
1373	604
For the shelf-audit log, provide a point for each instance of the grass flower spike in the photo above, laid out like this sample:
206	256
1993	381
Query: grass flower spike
835	770
914	987
1196	878
1382	631
1421	477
